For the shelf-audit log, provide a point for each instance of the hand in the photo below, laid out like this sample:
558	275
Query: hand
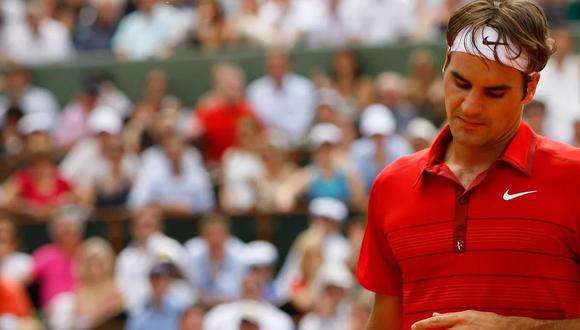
467	320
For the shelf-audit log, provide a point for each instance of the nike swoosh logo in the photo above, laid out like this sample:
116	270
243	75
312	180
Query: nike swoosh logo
508	197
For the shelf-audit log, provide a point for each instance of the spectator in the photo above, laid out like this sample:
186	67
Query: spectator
214	262
559	87
16	310
361	310
72	125
172	180
535	116
379	146
333	307
40	40
161	312
326	218
139	132
29	98
14	265
250	312
245	27
97	164
192	318
420	133
424	87
209	32
220	113
277	169
324	177
10	137
96	33
38	189
336	27
96	298
156	89
390	93
385	21
282	99
261	258
242	168
148	246
153	30
53	263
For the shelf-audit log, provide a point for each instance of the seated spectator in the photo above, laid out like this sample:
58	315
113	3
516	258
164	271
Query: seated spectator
250	312
219	113
209	31
420	133
242	168
39	40
14	265
139	132
390	93
246	28
97	165
277	169
380	144
148	246
10	138
173	181
424	87
96	298
383	22
16	312
261	258
156	88
153	30
535	116
161	311
72	126
333	308
192	318
336	26
326	218
38	189
282	99
324	177
21	93
53	263
214	261
97	34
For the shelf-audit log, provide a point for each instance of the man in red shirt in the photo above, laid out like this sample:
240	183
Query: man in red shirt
482	230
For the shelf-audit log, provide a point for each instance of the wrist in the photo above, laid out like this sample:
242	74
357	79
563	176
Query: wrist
524	323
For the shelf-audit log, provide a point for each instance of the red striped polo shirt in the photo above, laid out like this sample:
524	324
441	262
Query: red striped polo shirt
508	244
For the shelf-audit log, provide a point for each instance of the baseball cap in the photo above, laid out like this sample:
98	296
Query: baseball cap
335	274
104	119
329	208
421	128
324	133
163	268
377	119
260	253
35	122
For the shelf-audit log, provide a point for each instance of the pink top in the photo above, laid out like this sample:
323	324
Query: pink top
53	269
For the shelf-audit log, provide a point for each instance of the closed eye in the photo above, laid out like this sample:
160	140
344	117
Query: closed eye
496	94
462	84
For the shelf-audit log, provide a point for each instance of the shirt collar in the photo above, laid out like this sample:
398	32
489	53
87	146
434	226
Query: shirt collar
519	153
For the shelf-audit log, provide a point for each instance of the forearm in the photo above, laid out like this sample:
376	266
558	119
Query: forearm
533	324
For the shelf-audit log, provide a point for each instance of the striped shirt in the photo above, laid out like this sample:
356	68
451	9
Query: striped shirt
508	244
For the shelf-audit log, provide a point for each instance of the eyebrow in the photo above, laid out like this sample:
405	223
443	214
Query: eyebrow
489	88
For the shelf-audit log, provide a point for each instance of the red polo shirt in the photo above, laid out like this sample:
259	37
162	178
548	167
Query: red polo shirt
508	244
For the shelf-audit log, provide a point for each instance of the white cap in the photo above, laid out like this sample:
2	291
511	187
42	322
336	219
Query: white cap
421	128
335	274
377	119
325	133
260	253
35	122
329	208
105	119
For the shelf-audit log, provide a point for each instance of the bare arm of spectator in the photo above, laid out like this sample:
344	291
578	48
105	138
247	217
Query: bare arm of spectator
357	188
291	188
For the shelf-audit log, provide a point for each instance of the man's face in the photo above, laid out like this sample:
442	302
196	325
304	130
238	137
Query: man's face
483	100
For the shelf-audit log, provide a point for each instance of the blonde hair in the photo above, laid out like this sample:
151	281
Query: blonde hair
102	250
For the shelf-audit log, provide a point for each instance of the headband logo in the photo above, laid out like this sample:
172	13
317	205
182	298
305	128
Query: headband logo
495	43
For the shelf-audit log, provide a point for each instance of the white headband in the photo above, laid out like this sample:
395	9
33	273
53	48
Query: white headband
485	43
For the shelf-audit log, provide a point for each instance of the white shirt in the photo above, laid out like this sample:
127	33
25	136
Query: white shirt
335	29
143	35
228	316
382	21
34	100
52	44
559	89
290	109
16	266
133	266
242	169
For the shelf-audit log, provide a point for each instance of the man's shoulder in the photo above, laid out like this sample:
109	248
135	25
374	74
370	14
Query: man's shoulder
557	153
405	166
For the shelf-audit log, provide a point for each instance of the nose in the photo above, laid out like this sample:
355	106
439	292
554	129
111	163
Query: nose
472	105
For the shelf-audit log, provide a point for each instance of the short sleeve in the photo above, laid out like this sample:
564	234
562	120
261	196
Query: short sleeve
377	269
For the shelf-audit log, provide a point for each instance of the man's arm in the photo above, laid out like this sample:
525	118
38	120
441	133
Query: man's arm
386	313
491	321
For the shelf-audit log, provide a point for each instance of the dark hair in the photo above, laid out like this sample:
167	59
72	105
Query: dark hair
522	22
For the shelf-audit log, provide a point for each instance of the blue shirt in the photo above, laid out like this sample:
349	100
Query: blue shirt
150	318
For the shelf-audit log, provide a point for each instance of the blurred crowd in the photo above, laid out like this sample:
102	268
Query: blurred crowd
36	32
280	144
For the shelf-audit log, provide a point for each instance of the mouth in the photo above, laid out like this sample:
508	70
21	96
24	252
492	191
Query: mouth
470	123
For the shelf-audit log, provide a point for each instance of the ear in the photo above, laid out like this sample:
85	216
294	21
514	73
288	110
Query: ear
532	85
